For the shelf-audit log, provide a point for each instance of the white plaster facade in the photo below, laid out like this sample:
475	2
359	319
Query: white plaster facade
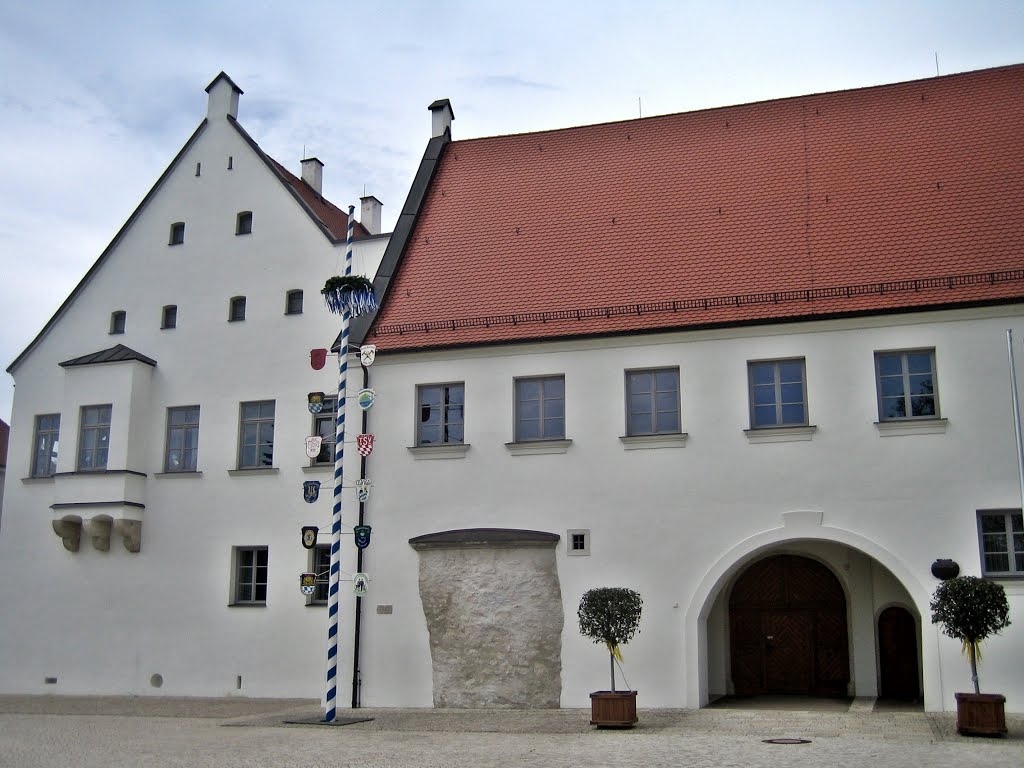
123	622
679	520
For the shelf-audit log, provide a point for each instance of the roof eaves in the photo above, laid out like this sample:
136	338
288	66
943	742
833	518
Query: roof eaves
106	251
116	354
402	235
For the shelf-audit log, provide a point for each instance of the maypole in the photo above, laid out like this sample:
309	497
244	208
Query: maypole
348	296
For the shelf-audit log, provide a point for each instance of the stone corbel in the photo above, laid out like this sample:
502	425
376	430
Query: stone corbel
70	531
99	531
130	532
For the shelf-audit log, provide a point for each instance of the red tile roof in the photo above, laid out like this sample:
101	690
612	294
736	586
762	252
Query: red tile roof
886	198
335	219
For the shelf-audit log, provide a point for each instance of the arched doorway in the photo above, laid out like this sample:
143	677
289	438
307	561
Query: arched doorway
788	631
897	655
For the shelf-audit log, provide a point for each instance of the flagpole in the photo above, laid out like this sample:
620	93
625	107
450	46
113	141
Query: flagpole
339	468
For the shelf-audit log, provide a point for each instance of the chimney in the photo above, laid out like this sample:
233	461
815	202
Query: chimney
223	99
369	214
441	116
313	174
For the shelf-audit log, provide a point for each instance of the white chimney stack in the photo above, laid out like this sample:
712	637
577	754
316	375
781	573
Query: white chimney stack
369	214
313	174
223	99
441	116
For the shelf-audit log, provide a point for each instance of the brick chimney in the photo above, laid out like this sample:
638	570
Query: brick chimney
441	116
369	214
223	99
313	174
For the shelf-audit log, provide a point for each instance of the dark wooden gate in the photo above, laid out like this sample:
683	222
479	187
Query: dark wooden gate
897	655
788	633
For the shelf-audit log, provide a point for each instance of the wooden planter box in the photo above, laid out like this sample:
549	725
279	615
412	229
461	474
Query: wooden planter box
613	709
980	714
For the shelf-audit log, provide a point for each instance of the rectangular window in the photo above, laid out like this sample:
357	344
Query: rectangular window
177	233
439	414
236	311
540	408
182	439
325	424
169	317
93	438
117	321
652	402
1002	542
243	223
906	385
251	575
778	397
320	557
293	303
256	435
44	457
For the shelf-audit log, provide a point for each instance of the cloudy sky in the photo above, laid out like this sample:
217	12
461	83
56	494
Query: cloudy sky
97	97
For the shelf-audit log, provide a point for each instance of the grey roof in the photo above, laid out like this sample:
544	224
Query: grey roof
118	354
502	537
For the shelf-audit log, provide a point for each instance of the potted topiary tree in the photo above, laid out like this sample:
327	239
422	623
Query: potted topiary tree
969	610
611	615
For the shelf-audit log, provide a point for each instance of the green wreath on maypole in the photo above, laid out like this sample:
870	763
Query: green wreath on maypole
351	293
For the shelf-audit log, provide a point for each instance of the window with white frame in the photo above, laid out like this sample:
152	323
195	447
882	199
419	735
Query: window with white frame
251	566
182	439
540	408
778	396
325	424
256	435
907	387
1002	542
440	410
45	444
320	564
652	402
93	438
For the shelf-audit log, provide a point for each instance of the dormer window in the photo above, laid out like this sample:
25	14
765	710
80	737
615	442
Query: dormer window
243	224
237	311
117	321
169	317
177	233
293	303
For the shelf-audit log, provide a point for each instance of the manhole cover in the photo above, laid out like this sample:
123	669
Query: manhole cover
786	741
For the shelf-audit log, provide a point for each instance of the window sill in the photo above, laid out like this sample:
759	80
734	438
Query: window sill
440	451
247	605
911	427
317	469
642	442
45	479
175	475
780	434
537	447
254	471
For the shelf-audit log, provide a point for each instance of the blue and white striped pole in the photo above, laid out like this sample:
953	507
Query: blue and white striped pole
339	469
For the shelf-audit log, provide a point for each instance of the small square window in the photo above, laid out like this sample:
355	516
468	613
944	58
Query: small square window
243	223
320	564
778	397
182	439
325	424
236	311
540	409
177	233
117	320
652	402
45	444
1001	534
907	385
440	412
94	438
169	316
256	435
577	541
293	302
250	576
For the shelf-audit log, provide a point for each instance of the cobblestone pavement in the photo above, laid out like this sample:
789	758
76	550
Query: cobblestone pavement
39	732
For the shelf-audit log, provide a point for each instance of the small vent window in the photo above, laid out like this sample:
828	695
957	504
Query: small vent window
169	318
293	303
237	310
243	223
177	233
117	321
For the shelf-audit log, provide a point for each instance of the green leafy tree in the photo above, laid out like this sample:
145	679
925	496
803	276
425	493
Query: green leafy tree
610	615
969	610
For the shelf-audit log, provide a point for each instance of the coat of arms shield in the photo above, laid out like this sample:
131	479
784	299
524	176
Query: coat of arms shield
317	358
365	444
366	398
315	402
362	533
359	584
307	583
311	491
309	533
367	353
313	444
363	489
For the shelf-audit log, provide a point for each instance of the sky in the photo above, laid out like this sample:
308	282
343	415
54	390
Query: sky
97	97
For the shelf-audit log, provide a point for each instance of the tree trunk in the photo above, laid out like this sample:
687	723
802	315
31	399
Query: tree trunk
611	658
972	655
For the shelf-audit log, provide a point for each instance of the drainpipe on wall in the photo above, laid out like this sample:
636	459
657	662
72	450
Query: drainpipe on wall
356	679
1016	415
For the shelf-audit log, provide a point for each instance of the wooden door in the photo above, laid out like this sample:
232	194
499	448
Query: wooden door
897	655
788	630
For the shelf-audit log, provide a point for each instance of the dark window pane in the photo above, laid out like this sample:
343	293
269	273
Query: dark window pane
430	396
641	423
890	365
792	393
764	395
793	414
668	421
529	429
529	390
764	416
554	428
554	388
792	371
892	387
667	380
639	383
919	363
923	406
